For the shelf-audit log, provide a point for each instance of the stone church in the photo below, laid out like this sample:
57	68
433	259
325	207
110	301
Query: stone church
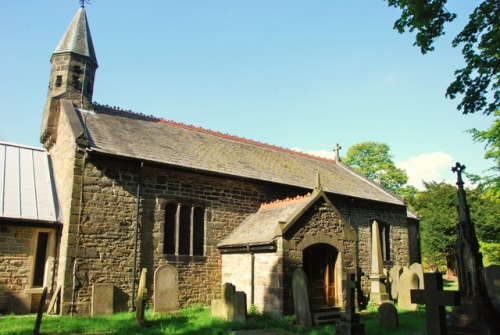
137	191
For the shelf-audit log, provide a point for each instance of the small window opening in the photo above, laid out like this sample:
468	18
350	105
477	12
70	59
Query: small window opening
169	231
185	230
40	259
198	230
58	81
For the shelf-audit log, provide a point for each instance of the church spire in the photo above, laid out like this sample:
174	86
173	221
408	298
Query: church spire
77	38
74	64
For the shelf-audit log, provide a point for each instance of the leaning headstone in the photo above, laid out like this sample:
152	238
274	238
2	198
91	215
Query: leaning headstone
435	299
378	293
388	315
300	291
39	315
166	291
233	305
394	274
492	280
140	302
102	299
407	282
419	271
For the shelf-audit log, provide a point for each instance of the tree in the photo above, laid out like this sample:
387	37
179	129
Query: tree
437	209
373	160
479	80
490	184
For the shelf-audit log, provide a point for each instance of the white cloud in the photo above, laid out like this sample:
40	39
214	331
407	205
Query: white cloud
319	153
434	166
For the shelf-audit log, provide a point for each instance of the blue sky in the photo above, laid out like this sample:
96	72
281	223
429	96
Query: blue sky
298	74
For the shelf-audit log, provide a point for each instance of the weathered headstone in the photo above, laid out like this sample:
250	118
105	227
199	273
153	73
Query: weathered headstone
407	281
378	293
140	302
388	315
39	315
394	274
166	289
349	324
233	305
419	271
435	299
492	280
300	291
102	299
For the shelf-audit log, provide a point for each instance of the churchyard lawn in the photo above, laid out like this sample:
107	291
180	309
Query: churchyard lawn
193	321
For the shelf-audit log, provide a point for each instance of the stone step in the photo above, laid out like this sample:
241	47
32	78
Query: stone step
326	315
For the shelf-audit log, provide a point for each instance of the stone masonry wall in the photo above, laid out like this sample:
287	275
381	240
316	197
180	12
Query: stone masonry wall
360	214
15	263
105	252
109	214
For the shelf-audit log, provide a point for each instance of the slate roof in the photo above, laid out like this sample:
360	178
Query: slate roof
263	227
77	38
27	191
117	132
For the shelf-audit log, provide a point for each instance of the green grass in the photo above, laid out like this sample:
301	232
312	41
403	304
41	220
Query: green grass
191	321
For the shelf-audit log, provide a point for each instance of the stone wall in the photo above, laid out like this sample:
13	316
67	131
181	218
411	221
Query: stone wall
108	217
15	263
105	252
67	160
17	257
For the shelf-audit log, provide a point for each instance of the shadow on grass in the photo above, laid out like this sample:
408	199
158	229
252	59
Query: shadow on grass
409	322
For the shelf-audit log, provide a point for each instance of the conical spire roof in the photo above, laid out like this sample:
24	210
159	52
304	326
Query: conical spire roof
77	38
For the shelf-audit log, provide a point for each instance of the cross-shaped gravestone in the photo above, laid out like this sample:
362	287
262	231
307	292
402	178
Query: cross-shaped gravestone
350	286
435	299
361	298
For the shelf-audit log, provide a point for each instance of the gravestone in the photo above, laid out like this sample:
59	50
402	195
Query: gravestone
166	290
407	281
419	271
349	324
378	293
233	305
300	291
141	298
492	281
388	315
394	274
435	299
102	299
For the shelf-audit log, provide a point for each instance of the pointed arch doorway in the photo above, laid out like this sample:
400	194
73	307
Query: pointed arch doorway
321	263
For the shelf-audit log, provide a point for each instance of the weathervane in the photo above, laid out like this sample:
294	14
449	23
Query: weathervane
83	2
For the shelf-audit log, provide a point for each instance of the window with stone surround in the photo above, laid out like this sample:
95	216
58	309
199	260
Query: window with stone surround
184	229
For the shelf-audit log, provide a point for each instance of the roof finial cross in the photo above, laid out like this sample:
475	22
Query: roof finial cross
336	149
